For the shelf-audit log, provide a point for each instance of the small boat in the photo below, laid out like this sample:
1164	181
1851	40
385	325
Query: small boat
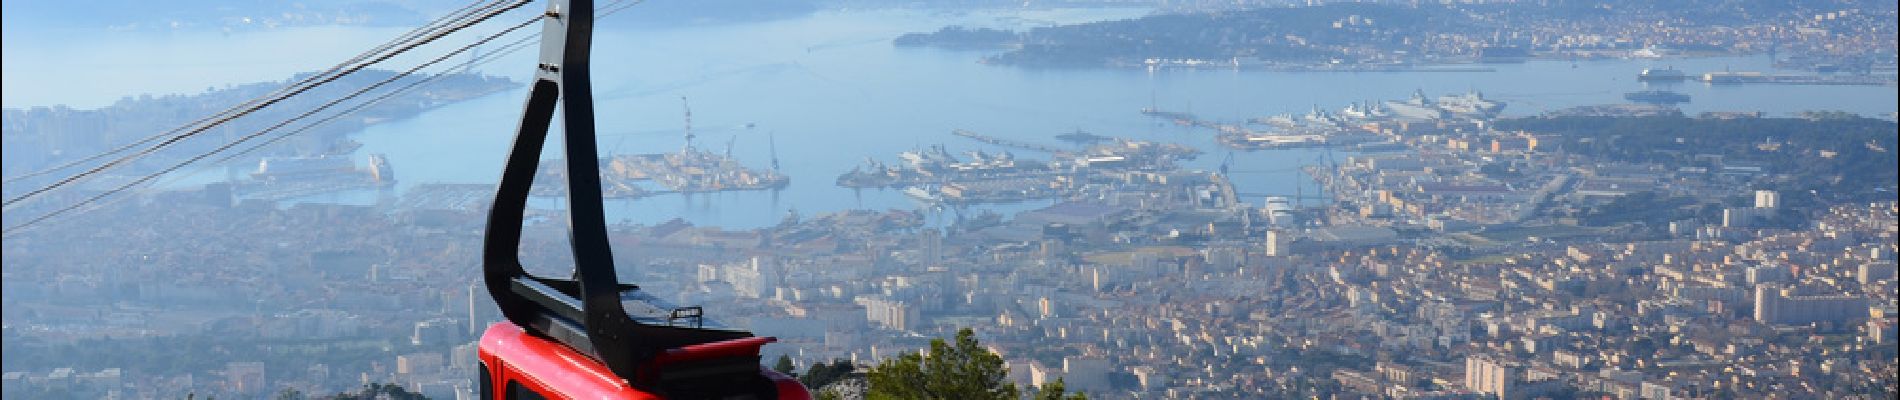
927	195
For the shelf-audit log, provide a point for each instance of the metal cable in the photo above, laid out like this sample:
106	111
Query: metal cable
306	114
248	110
437	24
517	45
506	50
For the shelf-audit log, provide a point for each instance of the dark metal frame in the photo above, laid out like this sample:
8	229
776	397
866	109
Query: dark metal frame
585	313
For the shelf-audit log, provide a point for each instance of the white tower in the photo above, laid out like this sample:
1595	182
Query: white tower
1767	199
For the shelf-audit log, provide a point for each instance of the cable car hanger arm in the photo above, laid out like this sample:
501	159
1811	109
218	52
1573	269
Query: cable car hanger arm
585	312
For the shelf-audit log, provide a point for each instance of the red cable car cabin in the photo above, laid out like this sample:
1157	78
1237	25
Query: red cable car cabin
574	338
518	365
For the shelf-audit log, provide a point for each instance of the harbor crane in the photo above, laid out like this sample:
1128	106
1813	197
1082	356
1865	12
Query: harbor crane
688	150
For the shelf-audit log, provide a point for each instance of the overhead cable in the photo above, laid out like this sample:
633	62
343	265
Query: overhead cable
437	24
248	110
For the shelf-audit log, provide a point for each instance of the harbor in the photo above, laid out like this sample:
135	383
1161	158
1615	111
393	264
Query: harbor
692	172
934	176
1036	109
1728	77
1360	123
1005	142
1752	77
935	165
632	176
689	170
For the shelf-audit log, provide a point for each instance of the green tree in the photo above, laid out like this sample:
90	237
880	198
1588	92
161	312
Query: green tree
784	365
290	394
1058	391
821	374
959	370
379	391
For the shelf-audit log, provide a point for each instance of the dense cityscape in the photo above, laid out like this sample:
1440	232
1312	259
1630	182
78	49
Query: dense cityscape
1448	250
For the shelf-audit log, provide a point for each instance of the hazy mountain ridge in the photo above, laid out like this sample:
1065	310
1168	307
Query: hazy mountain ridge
128	15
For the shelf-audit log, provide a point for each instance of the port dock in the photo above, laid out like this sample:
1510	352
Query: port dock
1006	142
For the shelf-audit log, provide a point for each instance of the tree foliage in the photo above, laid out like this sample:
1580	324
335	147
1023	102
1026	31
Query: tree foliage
378	391
821	374
1058	391
1646	206
961	369
959	37
290	394
784	365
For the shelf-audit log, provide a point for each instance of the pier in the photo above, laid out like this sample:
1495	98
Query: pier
447	196
1750	77
1006	142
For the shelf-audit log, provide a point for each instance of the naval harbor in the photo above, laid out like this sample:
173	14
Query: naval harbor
1070	166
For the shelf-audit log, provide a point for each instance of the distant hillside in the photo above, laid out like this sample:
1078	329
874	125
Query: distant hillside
138	15
1294	35
1271	33
38	137
239	15
958	37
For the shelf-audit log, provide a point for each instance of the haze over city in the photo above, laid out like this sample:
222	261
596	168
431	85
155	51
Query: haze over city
953	199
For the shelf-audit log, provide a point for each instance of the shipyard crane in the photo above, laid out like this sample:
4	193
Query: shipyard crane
688	150
771	139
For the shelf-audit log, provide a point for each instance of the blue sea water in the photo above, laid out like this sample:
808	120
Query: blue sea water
831	91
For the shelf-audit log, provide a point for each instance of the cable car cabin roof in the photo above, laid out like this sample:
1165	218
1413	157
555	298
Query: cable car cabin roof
552	369
548	367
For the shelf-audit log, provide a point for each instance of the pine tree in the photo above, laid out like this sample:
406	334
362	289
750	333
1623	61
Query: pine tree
784	365
1058	391
821	374
959	370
